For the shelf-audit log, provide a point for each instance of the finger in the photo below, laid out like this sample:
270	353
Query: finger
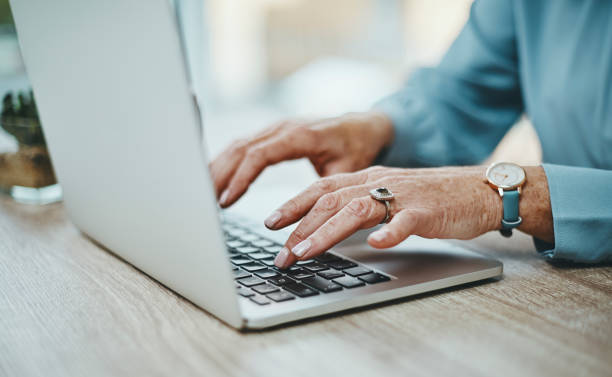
402	225
296	208
288	146
284	259
223	167
363	212
326	207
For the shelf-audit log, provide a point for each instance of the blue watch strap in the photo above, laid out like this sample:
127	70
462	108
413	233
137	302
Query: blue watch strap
510	218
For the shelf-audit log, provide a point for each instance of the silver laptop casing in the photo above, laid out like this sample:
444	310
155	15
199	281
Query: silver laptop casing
123	130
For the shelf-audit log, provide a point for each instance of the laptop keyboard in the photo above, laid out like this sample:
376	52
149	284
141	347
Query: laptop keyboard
257	279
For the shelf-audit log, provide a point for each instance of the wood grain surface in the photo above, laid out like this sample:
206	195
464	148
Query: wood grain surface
70	308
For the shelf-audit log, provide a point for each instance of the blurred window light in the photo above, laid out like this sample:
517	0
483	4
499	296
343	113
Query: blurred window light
280	51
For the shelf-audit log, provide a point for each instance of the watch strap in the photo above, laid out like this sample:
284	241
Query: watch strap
510	218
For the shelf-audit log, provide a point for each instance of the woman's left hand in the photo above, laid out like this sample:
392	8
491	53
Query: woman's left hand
452	202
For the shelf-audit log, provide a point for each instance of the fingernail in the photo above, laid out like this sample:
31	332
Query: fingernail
281	258
301	248
273	219
224	197
379	235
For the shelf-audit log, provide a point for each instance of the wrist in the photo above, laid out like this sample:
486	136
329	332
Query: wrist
383	125
367	134
377	126
493	204
534	205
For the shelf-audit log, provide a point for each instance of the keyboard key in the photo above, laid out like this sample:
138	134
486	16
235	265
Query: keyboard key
341	264
374	278
259	255
235	244
327	257
268	262
321	284
250	281
265	288
262	243
330	274
298	273
250	237
236	232
299	289
316	267
240	260
245	292
302	275
241	274
356	271
280	296
247	249
253	266
349	282
260	300
281	280
273	249
304	262
267	273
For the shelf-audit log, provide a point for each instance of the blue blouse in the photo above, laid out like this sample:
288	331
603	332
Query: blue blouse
549	59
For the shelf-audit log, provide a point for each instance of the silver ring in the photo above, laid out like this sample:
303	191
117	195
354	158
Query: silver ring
383	194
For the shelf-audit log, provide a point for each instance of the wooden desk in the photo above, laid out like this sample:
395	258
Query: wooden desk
69	308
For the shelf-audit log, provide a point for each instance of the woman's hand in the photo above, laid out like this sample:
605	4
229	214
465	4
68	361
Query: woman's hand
433	203
343	144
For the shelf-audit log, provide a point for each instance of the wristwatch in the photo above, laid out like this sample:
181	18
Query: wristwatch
507	178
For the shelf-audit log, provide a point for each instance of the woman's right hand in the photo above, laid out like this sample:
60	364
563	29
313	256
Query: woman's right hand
335	145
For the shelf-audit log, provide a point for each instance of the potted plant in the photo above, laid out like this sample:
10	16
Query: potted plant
29	167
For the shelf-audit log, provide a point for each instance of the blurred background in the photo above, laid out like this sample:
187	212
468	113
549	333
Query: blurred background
260	61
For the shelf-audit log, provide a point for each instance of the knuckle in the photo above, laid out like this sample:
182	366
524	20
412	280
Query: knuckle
361	207
388	180
256	158
393	234
282	125
328	202
298	235
291	207
304	133
325	185
254	153
374	169
372	173
290	125
239	146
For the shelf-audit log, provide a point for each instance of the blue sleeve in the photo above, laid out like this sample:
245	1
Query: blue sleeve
581	202
458	112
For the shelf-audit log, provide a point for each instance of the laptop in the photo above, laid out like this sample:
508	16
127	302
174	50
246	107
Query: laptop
124	133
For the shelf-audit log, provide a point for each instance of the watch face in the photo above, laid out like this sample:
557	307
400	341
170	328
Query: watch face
506	175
